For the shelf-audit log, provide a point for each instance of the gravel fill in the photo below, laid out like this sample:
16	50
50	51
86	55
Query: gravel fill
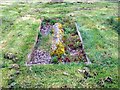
40	57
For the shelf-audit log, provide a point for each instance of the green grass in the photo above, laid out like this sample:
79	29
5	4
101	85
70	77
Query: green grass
17	35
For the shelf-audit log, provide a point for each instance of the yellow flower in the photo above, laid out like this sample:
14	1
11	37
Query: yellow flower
61	31
60	47
117	19
60	26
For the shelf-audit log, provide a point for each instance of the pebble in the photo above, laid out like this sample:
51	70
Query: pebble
15	59
81	71
85	71
12	85
9	56
17	72
65	73
15	66
108	79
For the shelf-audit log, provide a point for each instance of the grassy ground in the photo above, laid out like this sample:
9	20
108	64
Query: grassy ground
99	30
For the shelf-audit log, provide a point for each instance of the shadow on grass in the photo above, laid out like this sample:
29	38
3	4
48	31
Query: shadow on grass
115	24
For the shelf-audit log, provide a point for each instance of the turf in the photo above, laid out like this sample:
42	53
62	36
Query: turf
98	26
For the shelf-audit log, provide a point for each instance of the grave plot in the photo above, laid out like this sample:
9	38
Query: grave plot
58	41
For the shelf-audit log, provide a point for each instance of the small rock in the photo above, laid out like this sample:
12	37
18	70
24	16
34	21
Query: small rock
17	72
65	73
86	74
9	56
15	59
12	85
81	71
95	73
108	79
15	66
85	71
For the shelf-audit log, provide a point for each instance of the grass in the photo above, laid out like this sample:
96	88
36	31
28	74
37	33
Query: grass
20	22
